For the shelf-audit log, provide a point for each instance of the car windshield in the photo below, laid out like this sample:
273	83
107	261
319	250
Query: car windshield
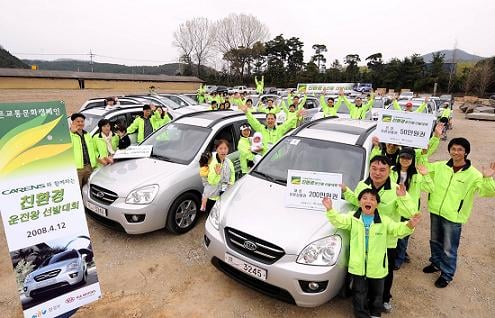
91	121
306	154
63	256
177	143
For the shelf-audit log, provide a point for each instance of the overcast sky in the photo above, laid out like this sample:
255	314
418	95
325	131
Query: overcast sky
141	32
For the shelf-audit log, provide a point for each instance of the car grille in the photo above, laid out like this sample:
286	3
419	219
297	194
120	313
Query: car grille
46	275
253	247
102	195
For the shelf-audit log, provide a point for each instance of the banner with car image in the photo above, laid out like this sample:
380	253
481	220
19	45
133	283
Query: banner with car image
404	128
42	211
306	189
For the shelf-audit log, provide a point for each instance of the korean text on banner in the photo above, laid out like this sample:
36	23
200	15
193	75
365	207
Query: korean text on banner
404	128
306	189
42	211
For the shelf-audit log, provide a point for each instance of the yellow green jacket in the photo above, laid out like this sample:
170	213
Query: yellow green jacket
77	149
446	112
453	195
214	178
358	112
420	109
330	111
391	205
138	124
270	136
374	264
101	145
245	154
417	184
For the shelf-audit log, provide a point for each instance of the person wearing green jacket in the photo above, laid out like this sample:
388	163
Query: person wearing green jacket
390	205
290	113
269	108
83	148
145	124
357	110
201	94
237	100
409	106
450	204
445	117
259	84
270	132
244	147
370	232
328	107
296	101
160	116
106	142
416	179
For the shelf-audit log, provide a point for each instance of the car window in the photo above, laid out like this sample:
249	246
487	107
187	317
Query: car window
63	256
310	103
128	102
227	134
118	119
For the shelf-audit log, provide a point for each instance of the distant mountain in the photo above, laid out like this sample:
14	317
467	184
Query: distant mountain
460	56
85	66
10	61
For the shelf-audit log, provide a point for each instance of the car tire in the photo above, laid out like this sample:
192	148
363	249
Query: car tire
183	213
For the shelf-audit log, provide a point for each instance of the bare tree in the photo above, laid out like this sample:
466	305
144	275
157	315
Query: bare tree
485	76
184	41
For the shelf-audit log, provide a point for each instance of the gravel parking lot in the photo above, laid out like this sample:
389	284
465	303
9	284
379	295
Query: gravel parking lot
162	275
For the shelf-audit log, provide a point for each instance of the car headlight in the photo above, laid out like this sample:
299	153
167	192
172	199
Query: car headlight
215	215
143	195
323	252
72	266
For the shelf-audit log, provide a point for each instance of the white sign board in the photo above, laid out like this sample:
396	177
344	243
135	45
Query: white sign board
133	152
311	88
404	128
306	189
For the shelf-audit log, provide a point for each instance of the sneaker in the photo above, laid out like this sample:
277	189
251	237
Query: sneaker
430	269
387	306
441	282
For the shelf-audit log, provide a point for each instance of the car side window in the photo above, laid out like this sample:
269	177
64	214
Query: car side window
309	104
132	116
118	119
226	133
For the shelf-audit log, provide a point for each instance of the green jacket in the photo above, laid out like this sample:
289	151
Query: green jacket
270	136
301	101
390	204
420	157
214	178
383	229
101	145
245	153
238	101
417	184
138	124
274	110
453	194
446	112
259	84
420	109
358	112
77	148
201	94
330	111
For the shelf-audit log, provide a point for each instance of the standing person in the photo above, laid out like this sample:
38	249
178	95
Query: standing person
160	117
106	142
328	107
238	100
201	94
145	124
269	108
409	106
415	178
213	105
379	180
221	173
450	204
291	113
124	140
370	230
83	148
259	84
246	156
270	132
357	110
445	119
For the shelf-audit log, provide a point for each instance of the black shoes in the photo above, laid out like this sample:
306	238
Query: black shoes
441	282
430	269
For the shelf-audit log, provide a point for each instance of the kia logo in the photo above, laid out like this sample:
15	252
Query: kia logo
69	300
100	194
250	245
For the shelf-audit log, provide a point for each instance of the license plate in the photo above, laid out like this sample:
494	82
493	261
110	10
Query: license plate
246	267
96	209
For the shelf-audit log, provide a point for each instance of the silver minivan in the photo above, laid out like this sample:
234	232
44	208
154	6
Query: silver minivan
292	254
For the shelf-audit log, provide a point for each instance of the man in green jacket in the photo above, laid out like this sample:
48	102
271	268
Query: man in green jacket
329	107
271	132
409	106
450	204
357	110
201	94
370	232
390	206
145	125
83	147
259	84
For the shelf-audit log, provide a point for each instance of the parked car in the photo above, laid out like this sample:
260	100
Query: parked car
64	269
406	96
179	99
164	190
242	89
221	89
292	254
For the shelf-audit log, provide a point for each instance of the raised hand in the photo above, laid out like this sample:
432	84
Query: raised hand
439	129
218	168
243	108
375	141
414	221
401	190
343	187
301	112
488	171
327	203
422	169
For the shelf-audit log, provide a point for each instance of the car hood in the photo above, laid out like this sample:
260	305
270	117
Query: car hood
257	207
124	176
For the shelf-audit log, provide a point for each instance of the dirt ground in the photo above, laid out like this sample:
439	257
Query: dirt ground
162	275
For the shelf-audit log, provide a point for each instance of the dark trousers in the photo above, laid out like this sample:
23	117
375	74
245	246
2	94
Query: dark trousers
367	296
209	205
389	279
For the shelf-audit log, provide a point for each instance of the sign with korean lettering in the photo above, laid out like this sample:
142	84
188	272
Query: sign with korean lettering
404	128
306	189
320	87
42	211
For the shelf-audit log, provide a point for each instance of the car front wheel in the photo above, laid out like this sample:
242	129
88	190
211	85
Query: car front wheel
183	214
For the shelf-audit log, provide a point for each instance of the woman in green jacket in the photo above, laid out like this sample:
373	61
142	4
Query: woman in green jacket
106	142
369	233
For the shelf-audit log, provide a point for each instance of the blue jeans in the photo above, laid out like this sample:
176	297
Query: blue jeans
445	237
401	251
